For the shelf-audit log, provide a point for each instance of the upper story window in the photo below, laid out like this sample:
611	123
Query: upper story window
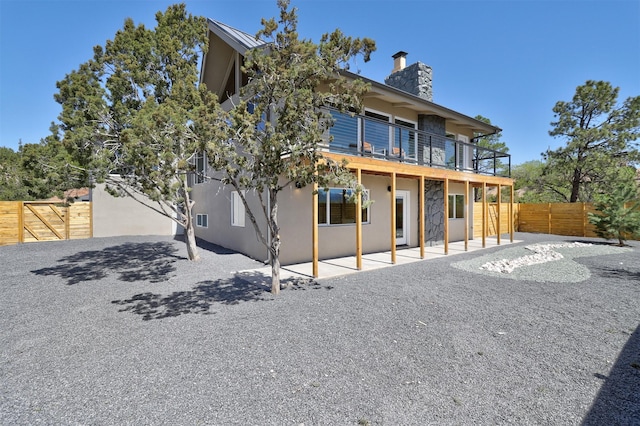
344	131
199	160
404	139
376	133
334	208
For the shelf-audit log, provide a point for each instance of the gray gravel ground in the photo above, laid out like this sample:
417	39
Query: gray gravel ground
127	331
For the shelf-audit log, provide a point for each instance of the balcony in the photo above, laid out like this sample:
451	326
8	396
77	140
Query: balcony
366	136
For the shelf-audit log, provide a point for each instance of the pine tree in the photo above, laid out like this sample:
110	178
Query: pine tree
618	214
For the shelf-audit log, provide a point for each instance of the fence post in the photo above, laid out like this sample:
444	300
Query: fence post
20	222
67	218
549	219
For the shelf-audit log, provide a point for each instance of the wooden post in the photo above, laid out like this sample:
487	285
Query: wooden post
67	219
314	230
393	218
20	221
499	208
484	214
91	217
511	218
549	218
422	218
446	216
466	215
359	223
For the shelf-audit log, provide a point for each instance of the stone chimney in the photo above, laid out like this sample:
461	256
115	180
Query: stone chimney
415	79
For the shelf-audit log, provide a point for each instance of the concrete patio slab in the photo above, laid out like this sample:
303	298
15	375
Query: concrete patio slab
347	265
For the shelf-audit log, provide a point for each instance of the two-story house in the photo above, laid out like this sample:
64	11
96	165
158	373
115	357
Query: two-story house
417	160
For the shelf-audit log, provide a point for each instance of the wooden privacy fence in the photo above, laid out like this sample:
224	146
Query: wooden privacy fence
492	218
29	221
545	218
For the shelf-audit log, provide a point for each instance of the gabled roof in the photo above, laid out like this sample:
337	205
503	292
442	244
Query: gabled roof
239	40
242	42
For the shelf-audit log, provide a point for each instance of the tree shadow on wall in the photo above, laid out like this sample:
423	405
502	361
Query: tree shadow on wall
243	287
152	261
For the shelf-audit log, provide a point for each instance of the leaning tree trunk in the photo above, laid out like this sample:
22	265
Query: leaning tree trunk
274	248
189	231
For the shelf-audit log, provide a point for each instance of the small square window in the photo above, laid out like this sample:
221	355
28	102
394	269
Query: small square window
202	220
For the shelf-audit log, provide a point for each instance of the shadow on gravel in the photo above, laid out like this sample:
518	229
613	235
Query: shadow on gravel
152	262
244	287
618	402
196	301
619	273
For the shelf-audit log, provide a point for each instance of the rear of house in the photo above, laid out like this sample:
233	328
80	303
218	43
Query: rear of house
416	159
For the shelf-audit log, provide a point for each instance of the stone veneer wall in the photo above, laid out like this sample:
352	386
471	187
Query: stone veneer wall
415	79
436	125
434	212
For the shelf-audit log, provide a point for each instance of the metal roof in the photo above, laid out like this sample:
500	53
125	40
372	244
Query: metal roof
239	40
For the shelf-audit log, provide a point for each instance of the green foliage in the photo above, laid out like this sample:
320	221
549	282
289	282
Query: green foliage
130	111
600	139
11	176
494	143
618	214
280	122
484	160
528	184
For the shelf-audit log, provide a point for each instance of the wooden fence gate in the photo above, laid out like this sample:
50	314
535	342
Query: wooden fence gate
29	221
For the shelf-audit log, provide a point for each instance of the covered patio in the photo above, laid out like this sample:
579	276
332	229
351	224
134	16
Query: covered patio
394	170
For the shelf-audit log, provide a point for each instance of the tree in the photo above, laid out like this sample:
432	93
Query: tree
128	114
484	160
528	183
600	140
11	176
618	214
280	122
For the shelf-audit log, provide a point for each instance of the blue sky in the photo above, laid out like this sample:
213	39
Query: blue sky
508	60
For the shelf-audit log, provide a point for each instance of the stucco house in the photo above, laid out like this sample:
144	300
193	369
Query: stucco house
417	160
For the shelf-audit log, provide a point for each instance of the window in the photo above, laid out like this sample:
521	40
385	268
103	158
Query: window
202	220
376	133
237	210
456	206
199	162
334	208
404	142
344	131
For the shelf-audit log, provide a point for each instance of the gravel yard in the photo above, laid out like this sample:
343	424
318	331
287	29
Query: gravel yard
126	331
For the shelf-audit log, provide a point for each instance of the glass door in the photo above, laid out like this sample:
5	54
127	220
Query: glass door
402	216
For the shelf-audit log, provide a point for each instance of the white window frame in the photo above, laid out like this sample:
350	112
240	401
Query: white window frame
464	153
202	220
414	155
199	160
452	206
238	211
389	121
328	209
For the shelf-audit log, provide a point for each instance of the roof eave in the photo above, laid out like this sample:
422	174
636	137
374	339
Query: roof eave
418	103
